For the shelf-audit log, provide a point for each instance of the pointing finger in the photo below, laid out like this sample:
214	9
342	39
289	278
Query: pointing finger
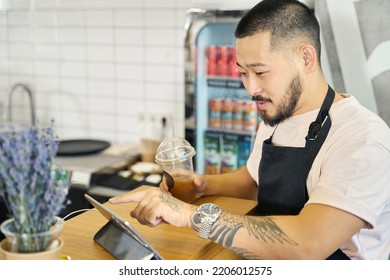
132	196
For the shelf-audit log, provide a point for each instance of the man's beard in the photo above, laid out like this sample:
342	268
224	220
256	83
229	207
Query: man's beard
286	108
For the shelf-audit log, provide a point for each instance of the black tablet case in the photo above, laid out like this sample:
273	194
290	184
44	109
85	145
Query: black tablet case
120	239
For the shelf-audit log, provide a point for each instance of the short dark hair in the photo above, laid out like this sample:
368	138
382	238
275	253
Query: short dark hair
284	19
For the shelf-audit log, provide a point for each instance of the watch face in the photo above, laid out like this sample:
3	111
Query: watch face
210	208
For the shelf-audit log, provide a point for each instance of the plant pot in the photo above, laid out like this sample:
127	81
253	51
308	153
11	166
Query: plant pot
50	254
31	244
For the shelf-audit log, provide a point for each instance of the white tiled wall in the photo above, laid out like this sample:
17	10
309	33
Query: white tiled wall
94	65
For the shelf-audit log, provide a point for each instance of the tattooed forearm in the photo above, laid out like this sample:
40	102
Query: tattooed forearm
262	228
225	230
266	229
170	201
244	253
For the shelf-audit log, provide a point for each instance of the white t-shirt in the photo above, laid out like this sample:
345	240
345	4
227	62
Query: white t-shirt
351	170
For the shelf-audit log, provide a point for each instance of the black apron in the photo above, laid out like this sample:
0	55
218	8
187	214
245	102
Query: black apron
283	171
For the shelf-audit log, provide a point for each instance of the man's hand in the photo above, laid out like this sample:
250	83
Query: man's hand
156	207
200	185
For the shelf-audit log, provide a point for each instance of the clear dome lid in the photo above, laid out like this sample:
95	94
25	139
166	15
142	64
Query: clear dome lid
173	150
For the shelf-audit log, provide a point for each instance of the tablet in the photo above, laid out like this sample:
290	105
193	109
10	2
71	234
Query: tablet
120	238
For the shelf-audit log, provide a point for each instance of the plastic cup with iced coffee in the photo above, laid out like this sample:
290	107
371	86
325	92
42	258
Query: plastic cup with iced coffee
175	155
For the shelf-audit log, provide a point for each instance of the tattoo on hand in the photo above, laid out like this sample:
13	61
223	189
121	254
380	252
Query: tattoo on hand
170	201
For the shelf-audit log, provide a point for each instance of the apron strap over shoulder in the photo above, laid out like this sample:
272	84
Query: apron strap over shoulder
315	126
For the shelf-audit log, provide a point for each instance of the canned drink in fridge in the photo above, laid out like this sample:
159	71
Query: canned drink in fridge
215	111
213	56
212	146
238	115
250	116
244	149
224	61
234	71
229	152
227	114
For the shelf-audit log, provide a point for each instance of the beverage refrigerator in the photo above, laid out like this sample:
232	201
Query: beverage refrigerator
221	120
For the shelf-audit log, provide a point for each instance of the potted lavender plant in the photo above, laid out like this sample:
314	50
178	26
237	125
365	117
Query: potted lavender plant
32	187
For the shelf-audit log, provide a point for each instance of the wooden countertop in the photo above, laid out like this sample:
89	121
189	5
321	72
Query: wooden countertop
171	242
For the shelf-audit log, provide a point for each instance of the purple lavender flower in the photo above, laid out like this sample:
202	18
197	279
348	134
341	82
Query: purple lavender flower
32	186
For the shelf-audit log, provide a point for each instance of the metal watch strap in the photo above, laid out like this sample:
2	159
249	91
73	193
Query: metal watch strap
205	228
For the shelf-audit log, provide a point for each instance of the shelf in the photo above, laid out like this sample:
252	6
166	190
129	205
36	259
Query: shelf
225	83
229	131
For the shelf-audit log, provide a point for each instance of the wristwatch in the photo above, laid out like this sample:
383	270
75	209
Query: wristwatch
209	213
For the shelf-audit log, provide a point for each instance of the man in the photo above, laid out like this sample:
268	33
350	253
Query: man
320	166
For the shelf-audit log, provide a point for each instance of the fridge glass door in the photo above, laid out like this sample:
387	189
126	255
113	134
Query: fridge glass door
225	118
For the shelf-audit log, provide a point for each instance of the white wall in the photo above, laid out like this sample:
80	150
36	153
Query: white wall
95	65
357	47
